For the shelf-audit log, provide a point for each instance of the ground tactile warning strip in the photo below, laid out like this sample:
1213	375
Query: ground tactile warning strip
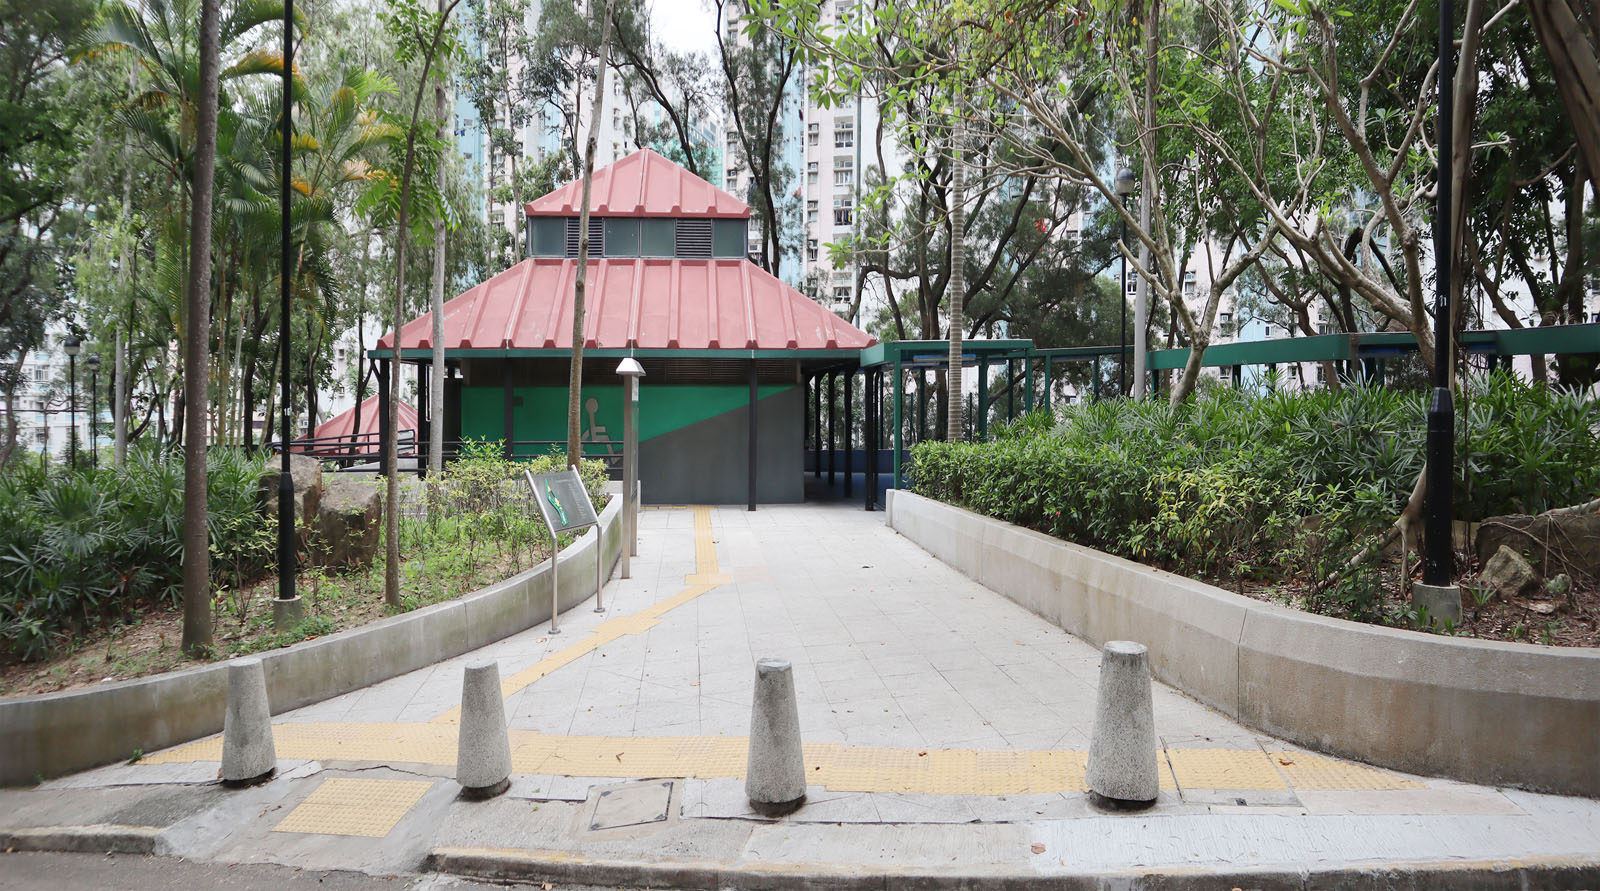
706	577
1316	773
1225	769
839	768
346	806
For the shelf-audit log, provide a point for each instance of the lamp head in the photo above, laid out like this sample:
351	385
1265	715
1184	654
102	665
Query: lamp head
72	345
93	362
630	367
1125	182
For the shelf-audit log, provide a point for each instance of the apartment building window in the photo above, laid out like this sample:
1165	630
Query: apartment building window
1133	284
813	132
811	173
811	211
811	249
842	294
844	133
843	210
1225	318
1188	284
1267	331
844	172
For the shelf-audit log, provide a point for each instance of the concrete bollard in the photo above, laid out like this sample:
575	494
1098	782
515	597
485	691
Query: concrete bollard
248	754
1122	752
775	775
483	750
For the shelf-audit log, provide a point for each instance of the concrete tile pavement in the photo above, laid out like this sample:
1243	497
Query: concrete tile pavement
891	649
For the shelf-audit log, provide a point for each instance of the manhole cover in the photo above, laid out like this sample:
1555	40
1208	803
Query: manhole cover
630	804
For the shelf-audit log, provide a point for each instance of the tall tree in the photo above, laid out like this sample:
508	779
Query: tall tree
580	280
197	345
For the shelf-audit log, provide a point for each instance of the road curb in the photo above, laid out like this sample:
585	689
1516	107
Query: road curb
100	838
1551	873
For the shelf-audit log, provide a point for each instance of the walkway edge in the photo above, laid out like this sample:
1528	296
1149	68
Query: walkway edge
52	734
103	838
504	864
1486	712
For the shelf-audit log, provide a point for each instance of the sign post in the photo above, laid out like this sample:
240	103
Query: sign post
565	506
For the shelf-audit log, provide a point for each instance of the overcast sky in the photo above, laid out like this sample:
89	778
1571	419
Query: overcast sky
684	24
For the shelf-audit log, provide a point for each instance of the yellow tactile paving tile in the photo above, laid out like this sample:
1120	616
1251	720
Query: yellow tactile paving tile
1318	773
347	806
837	767
1225	769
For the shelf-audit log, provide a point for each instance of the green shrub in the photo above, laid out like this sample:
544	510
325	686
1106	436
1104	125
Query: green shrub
81	546
1280	486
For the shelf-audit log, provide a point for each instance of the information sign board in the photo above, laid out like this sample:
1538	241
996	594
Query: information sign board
563	501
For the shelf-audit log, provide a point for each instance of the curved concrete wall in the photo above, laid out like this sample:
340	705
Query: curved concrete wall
1480	711
55	733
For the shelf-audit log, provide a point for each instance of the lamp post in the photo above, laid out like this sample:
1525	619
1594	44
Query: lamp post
72	346
1125	181
94	410
286	610
1437	592
631	371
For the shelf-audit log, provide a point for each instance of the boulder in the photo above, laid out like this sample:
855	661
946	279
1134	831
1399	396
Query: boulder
307	478
1553	542
349	521
1509	574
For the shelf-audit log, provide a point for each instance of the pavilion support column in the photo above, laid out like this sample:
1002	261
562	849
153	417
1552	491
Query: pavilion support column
1096	389
983	399
385	420
508	393
869	437
1011	389
1027	389
1047	364
849	446
899	412
424	423
816	430
922	405
750	424
833	426
805	415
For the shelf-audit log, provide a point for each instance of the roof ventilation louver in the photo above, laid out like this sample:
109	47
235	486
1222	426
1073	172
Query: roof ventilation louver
694	239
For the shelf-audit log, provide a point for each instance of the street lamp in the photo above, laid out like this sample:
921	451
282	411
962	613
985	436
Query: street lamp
631	371
1442	598
94	410
286	610
1125	180
72	346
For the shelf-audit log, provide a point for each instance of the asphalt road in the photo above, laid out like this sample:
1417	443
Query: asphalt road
106	872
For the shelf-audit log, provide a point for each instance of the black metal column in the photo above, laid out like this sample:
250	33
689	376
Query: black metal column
869	437
983	399
508	396
385	420
424	424
833	456
849	445
1438	563
816	430
750	424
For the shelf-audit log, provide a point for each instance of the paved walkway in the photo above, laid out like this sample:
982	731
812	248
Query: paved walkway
925	699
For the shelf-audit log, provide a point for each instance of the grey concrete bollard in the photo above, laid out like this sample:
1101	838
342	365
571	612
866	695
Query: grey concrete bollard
1122	752
483	750
248	753
775	774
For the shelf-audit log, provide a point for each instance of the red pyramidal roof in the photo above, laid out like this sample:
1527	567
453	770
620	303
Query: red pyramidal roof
644	184
635	303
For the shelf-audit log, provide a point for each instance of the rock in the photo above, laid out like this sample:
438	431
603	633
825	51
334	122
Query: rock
1509	574
349	521
307	474
1560	586
1554	543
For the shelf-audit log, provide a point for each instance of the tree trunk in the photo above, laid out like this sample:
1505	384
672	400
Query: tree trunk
1570	33
8	440
955	428
575	374
196	542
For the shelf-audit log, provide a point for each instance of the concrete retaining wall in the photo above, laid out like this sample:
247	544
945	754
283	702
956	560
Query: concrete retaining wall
56	733
1481	711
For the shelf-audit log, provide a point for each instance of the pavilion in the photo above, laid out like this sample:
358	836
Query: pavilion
727	347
